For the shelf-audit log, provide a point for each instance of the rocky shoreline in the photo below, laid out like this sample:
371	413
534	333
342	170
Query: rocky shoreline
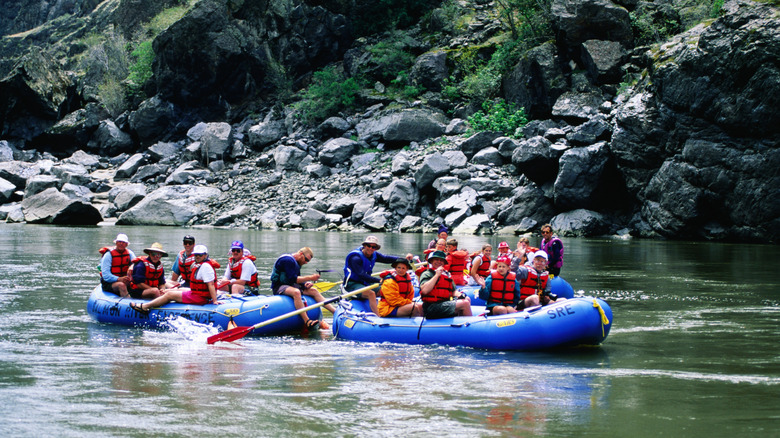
688	149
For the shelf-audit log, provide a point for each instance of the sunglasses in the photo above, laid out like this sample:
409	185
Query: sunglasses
308	259
236	250
372	246
188	243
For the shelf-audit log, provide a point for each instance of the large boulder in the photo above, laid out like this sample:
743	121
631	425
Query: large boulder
403	127
154	119
215	141
6	191
536	82
170	205
108	139
401	197
266	133
52	207
580	222
430	70
527	201
434	166
603	59
579	176
338	151
577	21
18	172
38	183
536	159
288	157
126	196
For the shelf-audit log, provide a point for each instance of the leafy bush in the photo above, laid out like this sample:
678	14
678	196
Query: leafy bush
498	116
141	70
327	94
390	57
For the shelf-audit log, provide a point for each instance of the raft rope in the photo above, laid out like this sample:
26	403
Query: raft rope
604	319
186	310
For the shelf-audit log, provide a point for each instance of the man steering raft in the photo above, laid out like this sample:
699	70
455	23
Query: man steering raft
359	266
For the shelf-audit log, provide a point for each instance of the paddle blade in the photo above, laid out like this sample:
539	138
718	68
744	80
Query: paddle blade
323	286
230	335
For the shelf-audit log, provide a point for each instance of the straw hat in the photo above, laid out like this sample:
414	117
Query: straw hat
156	247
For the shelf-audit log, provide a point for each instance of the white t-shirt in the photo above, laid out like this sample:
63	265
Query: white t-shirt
206	273
248	269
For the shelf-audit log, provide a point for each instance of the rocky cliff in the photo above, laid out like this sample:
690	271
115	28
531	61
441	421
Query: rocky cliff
676	139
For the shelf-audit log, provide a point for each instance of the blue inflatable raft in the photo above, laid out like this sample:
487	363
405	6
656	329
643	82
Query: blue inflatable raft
568	323
245	311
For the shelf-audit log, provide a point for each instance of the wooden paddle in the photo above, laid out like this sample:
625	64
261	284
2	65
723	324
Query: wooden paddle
239	332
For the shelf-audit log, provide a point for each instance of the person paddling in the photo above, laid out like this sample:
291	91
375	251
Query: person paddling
359	266
286	279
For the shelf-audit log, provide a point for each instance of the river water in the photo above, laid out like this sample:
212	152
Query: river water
693	352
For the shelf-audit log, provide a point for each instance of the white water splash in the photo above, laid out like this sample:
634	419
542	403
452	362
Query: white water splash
190	330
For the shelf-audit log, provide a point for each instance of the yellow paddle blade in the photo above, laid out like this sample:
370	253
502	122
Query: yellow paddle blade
323	286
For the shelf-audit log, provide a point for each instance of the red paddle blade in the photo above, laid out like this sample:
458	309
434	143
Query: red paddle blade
231	335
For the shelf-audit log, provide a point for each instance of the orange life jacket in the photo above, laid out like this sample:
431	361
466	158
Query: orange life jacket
484	267
120	261
535	283
152	274
442	290
405	288
457	265
235	270
200	287
185	264
502	289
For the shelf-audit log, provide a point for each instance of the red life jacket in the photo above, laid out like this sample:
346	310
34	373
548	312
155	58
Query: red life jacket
457	264
502	289
535	283
120	261
484	267
185	264
442	290
153	272
200	287
405	288
235	270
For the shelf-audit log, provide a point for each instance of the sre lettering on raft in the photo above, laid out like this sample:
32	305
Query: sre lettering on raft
560	312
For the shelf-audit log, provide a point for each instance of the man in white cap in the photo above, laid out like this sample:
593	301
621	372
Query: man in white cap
534	281
359	266
203	290
114	267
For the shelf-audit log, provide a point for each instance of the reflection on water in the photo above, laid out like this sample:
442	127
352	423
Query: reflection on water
693	348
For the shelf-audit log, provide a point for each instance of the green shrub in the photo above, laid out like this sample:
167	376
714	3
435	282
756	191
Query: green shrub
112	95
328	94
717	5
141	70
498	116
390	57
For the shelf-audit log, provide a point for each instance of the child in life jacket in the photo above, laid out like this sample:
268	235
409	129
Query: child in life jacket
534	281
501	290
397	292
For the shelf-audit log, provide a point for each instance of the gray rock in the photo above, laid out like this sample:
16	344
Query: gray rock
580	223
129	167
434	166
230	217
79	193
6	152
490	187
476	224
317	170
12	213
288	157
149	172
402	126
577	107
410	224
590	132
39	183
83	159
187	173
238	150
489	157
215	141
577	21
72	173
465	199
603	59
6	190
170	205
126	196
537	81
266	133
312	219
216	166
338	151
400	164
268	220
401	197
53	207
456	127
333	127
196	132
457	159
162	150
430	70
376	221
506	147
579	176
528	201
153	119
536	159
361	206
477	142
18	172
342	206
457	216
447	186
110	140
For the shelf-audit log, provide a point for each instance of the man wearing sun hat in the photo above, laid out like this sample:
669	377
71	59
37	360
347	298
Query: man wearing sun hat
114	266
534	281
359	266
437	291
148	274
